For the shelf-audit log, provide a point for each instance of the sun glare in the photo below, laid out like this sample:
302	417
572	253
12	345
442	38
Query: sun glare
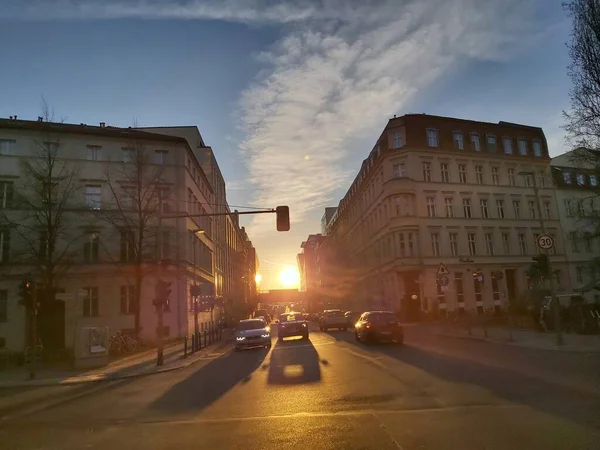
289	277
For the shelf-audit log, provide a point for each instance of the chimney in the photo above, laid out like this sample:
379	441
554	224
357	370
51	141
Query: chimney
15	117
102	124
40	119
10	117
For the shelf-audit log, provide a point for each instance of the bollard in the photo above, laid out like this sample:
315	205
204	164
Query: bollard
204	338
185	347
194	344
198	340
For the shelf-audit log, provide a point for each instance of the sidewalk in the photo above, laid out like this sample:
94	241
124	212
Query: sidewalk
132	366
522	337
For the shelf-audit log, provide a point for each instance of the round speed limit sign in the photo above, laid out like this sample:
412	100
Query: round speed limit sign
545	242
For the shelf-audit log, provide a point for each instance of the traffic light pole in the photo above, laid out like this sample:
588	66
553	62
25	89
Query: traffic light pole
159	270
34	301
553	285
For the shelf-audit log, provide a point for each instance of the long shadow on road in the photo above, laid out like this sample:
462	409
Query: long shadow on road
294	362
568	403
210	382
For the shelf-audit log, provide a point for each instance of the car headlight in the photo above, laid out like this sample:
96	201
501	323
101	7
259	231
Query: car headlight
303	324
240	338
265	335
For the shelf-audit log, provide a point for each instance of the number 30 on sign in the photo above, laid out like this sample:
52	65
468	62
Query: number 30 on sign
545	242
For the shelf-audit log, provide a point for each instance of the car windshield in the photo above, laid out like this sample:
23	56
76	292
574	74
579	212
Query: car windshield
290	317
335	314
251	325
382	318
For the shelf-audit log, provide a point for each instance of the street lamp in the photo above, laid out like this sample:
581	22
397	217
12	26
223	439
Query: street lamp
553	287
195	233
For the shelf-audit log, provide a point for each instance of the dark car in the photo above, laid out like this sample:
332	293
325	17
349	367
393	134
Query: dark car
378	326
292	324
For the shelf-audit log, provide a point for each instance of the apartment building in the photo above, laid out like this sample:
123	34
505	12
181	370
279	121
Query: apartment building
437	190
577	191
96	251
327	216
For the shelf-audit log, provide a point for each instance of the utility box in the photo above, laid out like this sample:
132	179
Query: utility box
91	347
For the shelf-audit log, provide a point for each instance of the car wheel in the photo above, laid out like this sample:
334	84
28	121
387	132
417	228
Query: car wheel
268	346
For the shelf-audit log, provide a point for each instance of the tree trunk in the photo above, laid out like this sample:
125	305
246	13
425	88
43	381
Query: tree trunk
137	299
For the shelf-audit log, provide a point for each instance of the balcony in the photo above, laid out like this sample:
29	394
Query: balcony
402	185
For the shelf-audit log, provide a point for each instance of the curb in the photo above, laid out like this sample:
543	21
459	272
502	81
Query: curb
111	377
520	344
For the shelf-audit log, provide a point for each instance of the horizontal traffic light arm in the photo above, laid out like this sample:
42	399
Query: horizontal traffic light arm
183	216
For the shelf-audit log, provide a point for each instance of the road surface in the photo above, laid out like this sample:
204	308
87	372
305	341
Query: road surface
333	393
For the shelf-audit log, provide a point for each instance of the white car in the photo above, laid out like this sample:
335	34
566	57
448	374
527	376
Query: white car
333	318
252	333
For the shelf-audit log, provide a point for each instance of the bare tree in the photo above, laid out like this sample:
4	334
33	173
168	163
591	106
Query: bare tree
137	191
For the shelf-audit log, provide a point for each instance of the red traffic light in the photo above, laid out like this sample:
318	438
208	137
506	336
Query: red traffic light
283	218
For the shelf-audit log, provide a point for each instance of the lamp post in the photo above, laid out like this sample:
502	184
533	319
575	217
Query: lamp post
553	286
195	233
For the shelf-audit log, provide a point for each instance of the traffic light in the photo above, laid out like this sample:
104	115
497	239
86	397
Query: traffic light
541	264
283	218
162	292
26	293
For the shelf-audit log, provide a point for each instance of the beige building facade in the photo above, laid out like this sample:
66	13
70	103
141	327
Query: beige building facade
441	191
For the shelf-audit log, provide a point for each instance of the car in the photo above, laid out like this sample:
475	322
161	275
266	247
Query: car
352	317
292	324
378	326
262	312
333	318
252	333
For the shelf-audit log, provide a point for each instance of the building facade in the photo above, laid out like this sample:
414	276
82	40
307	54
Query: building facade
308	270
441	191
119	182
577	193
327	216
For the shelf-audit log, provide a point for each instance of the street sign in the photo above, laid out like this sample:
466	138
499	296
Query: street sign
443	280
545	242
442	270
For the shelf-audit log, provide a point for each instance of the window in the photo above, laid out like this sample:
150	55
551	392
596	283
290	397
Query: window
522	244
587	241
128	154
529	180
580	179
458	140
491	143
166	246
593	180
93	196
160	156
462	173
557	274
500	208
454	244
475	144
547	210
51	148
579	274
483	205
449	202
541	179
472	244
432	137
553	250
489	243
435	244
511	176
458	287
580	208
537	148
128	299
404	205
6	194
396	139
406	244
531	207
431	206
93	152
4	245
7	147
3	306
163	200
427	171
445	172
399	171
506	243
574	241
479	174
522	144
127	246
507	144
467	207
517	208
90	302
567	177
495	176
568	208
90	247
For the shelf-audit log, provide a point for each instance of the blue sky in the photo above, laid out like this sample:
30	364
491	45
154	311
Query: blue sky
291	95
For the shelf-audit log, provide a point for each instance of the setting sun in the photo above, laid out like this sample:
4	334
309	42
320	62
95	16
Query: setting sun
289	277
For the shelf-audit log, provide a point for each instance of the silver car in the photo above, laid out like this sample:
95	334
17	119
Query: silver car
252	333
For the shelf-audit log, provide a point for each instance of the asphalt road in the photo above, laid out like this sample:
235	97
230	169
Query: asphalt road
332	393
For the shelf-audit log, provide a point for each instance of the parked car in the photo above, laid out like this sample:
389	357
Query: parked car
252	333
333	318
378	326
292	324
352	317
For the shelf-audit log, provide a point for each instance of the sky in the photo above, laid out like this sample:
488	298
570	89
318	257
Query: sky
290	95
